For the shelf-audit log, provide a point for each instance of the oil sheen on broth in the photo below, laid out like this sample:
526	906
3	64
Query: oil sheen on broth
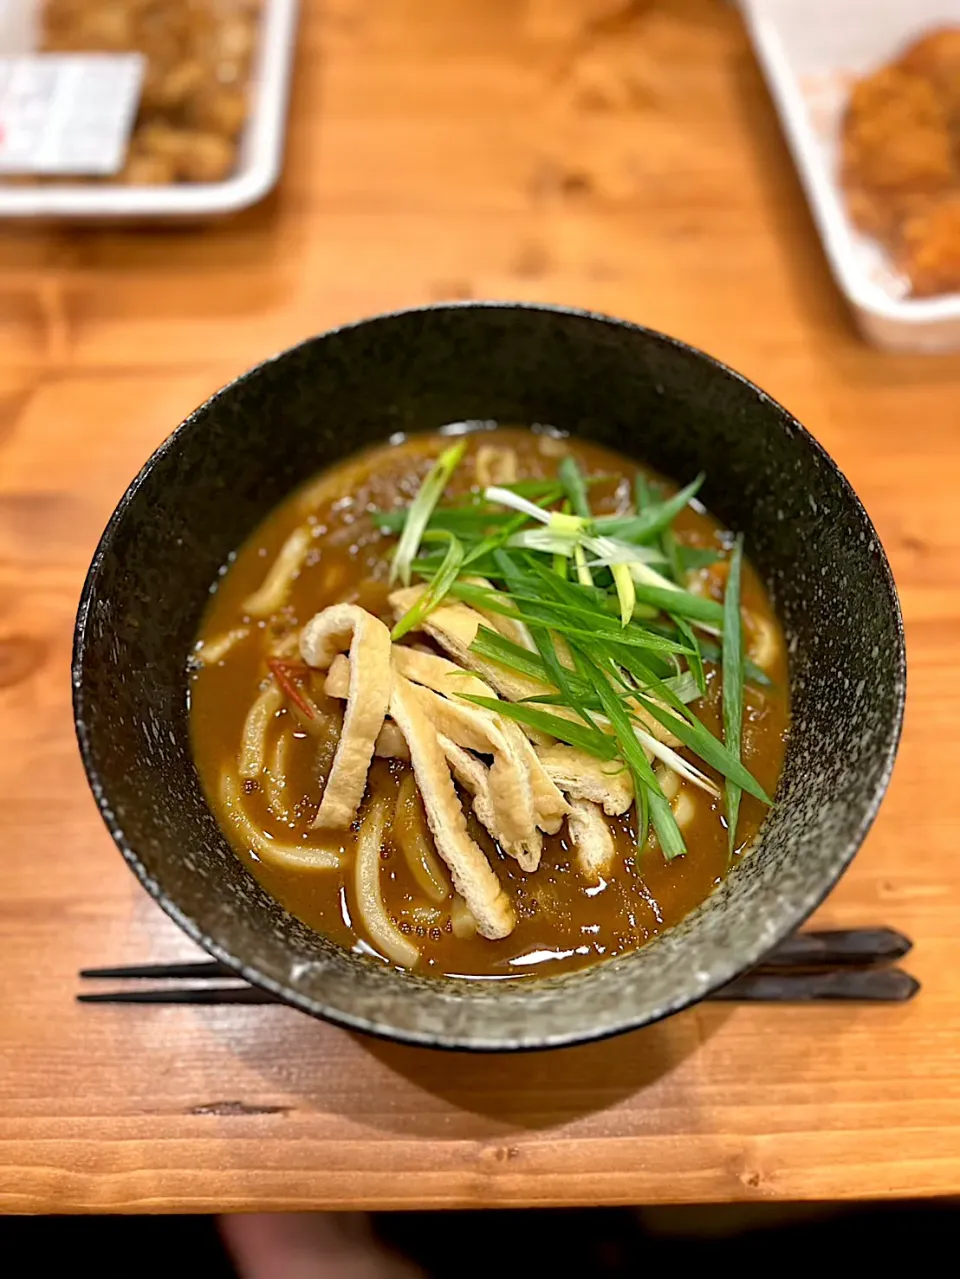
563	921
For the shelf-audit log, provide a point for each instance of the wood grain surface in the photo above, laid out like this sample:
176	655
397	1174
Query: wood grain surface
620	156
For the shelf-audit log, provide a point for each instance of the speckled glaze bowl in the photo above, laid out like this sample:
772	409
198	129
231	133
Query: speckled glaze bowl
647	395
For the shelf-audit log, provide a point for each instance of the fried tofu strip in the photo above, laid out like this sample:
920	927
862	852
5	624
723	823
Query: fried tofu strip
582	776
443	676
509	785
592	839
454	626
474	776
390	743
338	629
473	877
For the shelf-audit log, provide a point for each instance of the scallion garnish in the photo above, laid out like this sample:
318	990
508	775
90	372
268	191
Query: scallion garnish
506	497
584	576
682	603
571	477
565	619
733	686
626	591
441	582
494	541
690	558
695	657
661	814
618	641
643	812
539	619
645	526
566	730
713	752
418	515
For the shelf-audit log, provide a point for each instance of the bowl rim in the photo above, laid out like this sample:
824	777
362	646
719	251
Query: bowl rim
722	974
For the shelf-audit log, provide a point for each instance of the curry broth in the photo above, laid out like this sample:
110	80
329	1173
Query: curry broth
563	921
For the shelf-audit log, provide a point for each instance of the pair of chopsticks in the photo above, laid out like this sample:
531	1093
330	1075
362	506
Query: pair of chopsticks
852	964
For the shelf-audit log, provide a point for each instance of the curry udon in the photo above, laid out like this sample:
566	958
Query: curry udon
488	704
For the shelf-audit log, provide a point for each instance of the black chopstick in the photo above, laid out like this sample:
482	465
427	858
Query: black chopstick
838	948
201	970
838	964
195	995
872	985
869	985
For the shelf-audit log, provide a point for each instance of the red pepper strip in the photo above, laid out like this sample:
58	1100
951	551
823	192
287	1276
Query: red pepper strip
284	673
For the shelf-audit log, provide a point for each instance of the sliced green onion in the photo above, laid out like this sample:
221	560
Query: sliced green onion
642	797
733	684
626	591
465	521
664	823
571	477
693	557
533	489
661	814
592	598
671	551
491	644
648	523
566	730
584	576
421	509
544	540
667	539
496	647
644	575
647	680
694	657
684	686
442	581
703	743
539	621
667	755
682	603
566	525
496	540
504	497
710	652
577	593
426	566
608	551
564	619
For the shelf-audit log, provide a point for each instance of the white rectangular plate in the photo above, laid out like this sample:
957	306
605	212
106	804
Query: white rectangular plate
810	51
261	147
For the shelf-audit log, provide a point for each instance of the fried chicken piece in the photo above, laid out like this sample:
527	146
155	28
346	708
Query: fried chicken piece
936	57
897	152
929	249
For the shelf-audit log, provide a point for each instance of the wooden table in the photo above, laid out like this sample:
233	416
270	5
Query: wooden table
618	156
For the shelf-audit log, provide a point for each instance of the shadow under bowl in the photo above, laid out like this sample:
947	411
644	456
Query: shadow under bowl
649	396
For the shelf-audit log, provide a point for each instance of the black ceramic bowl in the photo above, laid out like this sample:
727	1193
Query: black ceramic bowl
647	395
